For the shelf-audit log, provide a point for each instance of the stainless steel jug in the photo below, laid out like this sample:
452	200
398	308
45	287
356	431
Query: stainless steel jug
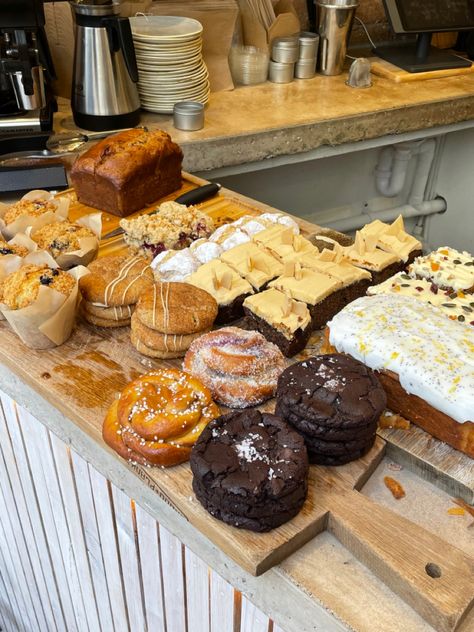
335	24
104	91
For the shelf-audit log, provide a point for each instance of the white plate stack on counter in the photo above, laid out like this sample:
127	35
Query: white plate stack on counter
170	63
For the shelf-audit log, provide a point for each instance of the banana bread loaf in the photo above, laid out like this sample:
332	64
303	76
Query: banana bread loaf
127	171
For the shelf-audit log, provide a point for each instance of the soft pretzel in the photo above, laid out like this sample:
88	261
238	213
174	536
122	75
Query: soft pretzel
158	417
240	367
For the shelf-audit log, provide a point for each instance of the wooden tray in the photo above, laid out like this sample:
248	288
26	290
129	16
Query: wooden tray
81	378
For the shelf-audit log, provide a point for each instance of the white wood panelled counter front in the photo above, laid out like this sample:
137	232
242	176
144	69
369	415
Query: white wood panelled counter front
76	553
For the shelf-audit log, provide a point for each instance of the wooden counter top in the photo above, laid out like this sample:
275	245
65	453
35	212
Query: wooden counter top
253	123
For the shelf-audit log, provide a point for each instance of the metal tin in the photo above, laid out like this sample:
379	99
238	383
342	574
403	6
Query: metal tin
281	73
305	68
285	50
309	43
188	115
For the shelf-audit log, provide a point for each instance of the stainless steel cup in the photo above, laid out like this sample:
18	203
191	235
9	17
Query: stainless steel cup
33	101
188	115
335	24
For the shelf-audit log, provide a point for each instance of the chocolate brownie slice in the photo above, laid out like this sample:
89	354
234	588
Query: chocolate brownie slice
250	470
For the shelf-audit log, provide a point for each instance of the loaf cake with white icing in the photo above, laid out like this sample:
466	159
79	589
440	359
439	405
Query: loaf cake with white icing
426	361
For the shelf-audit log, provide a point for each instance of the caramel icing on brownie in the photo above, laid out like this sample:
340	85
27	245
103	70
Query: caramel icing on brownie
305	285
221	281
432	355
365	254
253	263
281	242
392	237
278	310
335	264
446	267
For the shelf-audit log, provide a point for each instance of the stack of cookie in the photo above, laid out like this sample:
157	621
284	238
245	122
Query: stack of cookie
111	290
250	470
169	316
335	403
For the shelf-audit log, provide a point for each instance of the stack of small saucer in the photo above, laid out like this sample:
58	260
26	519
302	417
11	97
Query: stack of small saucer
170	63
168	317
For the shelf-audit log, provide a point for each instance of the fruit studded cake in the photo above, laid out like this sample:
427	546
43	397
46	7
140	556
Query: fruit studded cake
127	171
455	304
447	268
425	360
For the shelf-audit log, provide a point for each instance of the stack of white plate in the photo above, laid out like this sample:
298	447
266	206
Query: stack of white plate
169	60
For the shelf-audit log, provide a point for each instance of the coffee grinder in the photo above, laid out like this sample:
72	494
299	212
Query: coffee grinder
26	69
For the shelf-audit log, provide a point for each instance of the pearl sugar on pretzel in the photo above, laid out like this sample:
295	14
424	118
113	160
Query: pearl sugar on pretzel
159	417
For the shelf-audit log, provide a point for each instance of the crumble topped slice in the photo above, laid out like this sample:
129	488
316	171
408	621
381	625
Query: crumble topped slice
172	226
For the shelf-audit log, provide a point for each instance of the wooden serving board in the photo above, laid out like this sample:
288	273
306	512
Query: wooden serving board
81	379
389	71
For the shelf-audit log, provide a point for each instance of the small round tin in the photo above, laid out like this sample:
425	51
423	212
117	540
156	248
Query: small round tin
305	68
309	44
281	73
188	115
285	49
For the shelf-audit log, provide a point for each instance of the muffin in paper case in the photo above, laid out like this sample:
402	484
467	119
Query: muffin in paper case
33	210
49	320
88	246
11	262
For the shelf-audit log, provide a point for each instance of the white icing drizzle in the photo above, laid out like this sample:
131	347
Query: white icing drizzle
123	272
166	312
432	355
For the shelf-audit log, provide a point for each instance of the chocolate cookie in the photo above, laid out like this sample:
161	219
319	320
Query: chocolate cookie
335	402
325	432
250	470
317	458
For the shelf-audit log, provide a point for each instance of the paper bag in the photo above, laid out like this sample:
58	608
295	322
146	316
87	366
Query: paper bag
286	23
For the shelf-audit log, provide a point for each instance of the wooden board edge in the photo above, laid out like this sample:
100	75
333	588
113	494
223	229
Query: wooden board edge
425	468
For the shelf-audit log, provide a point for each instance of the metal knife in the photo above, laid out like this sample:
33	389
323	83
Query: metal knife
191	197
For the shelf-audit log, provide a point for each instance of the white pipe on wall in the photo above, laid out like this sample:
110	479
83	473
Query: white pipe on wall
428	207
390	174
391	170
425	155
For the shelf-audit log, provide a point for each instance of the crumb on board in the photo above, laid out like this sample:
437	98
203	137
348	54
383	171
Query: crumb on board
391	420
394	486
456	511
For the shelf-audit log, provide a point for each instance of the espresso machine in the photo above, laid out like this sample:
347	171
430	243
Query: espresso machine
26	69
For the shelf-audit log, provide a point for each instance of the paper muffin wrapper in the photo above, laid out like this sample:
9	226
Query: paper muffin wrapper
11	263
48	322
89	246
25	222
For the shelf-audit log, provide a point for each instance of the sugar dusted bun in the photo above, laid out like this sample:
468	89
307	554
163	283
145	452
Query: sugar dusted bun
239	367
158	418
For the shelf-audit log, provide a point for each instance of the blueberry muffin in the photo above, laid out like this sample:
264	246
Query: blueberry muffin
20	289
34	208
61	237
12	249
